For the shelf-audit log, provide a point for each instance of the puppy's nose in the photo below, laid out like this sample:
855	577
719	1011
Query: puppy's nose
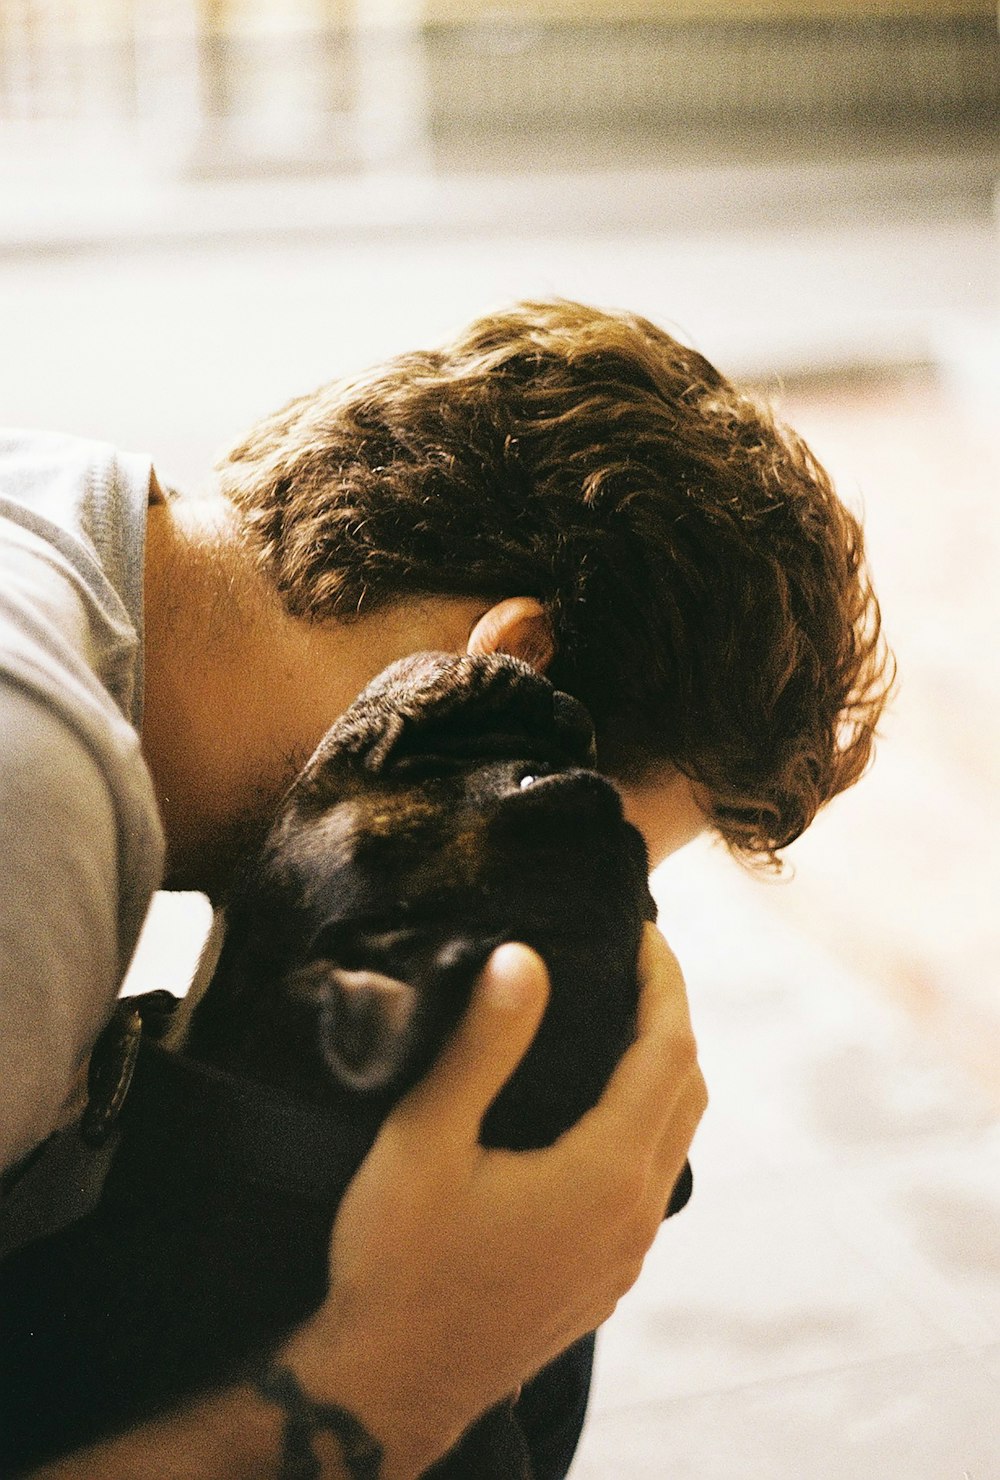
574	792
575	727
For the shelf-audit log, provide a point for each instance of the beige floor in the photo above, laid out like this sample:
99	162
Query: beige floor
829	1303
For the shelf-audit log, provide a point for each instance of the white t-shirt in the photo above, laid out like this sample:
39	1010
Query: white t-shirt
81	845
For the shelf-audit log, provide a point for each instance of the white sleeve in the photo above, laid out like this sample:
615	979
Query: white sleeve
59	937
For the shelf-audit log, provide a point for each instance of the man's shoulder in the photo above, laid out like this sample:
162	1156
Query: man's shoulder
72	545
67	479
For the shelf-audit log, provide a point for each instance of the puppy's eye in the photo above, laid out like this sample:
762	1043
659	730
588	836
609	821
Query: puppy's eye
535	770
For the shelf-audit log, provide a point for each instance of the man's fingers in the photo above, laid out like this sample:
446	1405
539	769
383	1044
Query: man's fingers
502	1019
662	995
659	1076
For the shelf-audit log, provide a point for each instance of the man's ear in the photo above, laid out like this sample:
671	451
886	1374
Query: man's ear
518	625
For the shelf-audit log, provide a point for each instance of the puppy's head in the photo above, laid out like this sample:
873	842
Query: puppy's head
430	708
452	807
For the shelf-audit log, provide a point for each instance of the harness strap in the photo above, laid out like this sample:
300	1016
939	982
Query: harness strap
179	1110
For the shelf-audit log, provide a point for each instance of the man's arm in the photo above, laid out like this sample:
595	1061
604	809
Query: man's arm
457	1272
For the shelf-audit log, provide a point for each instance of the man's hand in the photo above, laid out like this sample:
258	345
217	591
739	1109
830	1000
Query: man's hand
457	1272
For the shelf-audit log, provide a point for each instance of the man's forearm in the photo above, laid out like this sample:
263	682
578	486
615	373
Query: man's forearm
236	1434
321	1397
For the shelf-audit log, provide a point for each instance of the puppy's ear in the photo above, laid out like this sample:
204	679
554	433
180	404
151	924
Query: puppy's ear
462	706
364	1021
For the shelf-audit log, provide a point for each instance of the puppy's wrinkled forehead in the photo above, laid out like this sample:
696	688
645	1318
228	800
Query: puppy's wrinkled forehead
431	712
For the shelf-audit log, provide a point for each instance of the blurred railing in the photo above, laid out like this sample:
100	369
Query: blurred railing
236	86
788	70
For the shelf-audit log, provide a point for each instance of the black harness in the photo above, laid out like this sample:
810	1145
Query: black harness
168	1108
259	1134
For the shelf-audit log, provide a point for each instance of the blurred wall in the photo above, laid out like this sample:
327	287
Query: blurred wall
306	84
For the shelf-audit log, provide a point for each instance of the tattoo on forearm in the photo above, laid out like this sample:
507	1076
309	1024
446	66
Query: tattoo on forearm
304	1418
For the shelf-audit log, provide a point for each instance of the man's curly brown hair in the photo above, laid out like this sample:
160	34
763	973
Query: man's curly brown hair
706	587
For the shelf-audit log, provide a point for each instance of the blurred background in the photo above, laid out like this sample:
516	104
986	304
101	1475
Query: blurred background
209	206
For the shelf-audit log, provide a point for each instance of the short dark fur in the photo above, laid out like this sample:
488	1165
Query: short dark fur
452	807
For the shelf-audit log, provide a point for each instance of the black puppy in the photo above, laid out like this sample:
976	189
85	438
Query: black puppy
452	807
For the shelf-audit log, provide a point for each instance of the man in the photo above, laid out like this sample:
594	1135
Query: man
568	486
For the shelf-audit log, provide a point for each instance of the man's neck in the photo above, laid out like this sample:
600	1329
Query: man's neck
206	670
239	693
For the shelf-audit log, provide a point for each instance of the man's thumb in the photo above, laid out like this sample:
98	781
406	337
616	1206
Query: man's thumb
502	1019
